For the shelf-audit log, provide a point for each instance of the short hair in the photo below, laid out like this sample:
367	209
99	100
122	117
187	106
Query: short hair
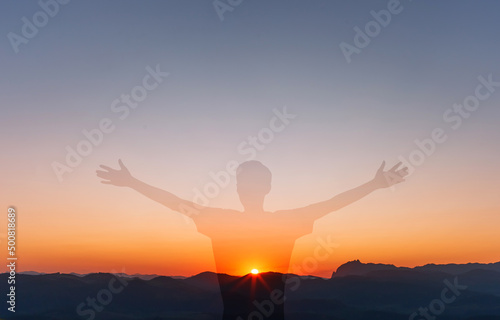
253	172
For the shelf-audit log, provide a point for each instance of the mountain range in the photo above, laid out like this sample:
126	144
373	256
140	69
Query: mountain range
356	267
356	291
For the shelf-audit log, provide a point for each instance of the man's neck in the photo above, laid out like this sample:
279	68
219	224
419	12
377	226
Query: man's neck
254	209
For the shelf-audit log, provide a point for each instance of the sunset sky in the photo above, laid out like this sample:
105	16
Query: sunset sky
227	80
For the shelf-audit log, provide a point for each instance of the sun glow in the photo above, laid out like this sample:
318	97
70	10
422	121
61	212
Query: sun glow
254	271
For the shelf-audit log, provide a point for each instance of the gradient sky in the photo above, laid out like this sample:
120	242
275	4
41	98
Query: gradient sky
226	77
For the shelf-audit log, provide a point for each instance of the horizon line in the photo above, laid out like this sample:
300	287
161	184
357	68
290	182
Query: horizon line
263	272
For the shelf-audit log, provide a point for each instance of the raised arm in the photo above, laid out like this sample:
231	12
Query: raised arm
382	179
123	178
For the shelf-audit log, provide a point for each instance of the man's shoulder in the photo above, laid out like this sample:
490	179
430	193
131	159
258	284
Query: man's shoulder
218	211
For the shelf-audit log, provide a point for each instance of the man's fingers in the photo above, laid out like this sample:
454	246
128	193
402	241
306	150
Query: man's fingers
403	172
382	166
100	173
106	182
396	166
122	166
106	167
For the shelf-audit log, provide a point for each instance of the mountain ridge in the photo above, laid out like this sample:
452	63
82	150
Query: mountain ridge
350	268
389	293
358	268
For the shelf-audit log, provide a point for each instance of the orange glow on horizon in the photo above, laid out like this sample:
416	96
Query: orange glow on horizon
120	231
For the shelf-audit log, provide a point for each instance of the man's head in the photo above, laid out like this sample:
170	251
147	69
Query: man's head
253	183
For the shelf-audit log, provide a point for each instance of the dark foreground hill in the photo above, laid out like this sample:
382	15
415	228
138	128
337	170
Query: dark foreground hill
380	293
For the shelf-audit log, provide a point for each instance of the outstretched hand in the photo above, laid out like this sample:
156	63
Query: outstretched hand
395	175
120	177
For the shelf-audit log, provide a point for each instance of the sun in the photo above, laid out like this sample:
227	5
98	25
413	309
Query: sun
255	271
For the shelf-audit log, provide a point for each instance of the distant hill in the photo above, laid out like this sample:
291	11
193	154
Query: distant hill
459	268
33	273
136	275
357	268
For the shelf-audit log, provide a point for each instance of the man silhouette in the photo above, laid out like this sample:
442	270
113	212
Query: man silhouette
253	238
